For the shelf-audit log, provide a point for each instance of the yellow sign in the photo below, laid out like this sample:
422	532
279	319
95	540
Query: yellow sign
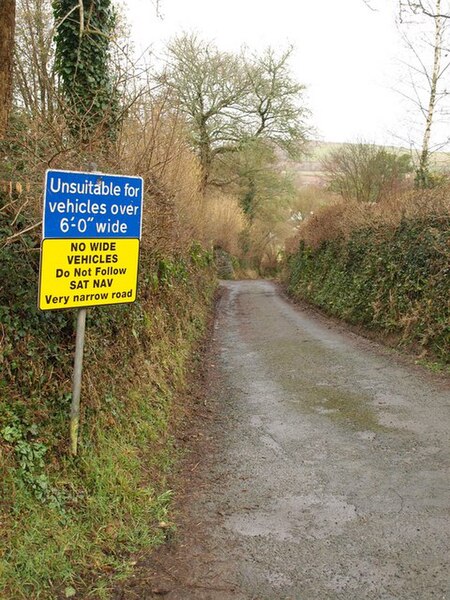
87	272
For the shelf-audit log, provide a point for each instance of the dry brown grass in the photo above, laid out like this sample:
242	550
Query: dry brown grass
338	220
220	221
152	144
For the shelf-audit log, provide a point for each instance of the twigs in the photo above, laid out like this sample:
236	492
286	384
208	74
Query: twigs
19	234
18	212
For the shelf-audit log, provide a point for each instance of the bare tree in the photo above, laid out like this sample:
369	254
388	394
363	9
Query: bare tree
427	8
34	58
369	6
276	98
229	99
427	76
7	26
365	172
208	85
436	74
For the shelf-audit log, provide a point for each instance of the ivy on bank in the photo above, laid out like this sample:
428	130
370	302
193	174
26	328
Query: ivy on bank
394	281
83	35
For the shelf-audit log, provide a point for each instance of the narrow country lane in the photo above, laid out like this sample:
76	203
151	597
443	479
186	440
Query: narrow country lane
330	474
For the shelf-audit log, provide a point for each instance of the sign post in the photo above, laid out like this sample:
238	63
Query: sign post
76	385
92	224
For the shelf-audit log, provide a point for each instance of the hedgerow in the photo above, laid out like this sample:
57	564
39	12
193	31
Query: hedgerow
71	524
390	278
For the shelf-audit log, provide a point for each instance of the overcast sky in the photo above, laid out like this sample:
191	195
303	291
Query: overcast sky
346	54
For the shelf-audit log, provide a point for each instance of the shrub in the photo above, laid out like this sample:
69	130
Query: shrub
365	172
386	271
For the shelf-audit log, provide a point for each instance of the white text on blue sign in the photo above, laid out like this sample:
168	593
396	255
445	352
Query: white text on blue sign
90	205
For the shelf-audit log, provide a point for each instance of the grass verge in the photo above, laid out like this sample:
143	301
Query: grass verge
69	527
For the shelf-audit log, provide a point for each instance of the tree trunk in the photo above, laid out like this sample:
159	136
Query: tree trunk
205	156
7	26
422	178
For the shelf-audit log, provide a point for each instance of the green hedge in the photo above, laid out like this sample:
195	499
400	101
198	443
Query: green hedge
393	280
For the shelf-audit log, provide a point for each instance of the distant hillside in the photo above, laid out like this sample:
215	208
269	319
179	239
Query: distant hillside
308	171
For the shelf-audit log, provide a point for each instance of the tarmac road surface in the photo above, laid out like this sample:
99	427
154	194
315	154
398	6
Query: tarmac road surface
329	477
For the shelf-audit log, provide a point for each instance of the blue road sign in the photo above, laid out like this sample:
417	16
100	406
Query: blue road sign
92	205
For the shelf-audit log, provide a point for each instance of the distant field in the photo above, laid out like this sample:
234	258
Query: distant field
308	171
317	151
